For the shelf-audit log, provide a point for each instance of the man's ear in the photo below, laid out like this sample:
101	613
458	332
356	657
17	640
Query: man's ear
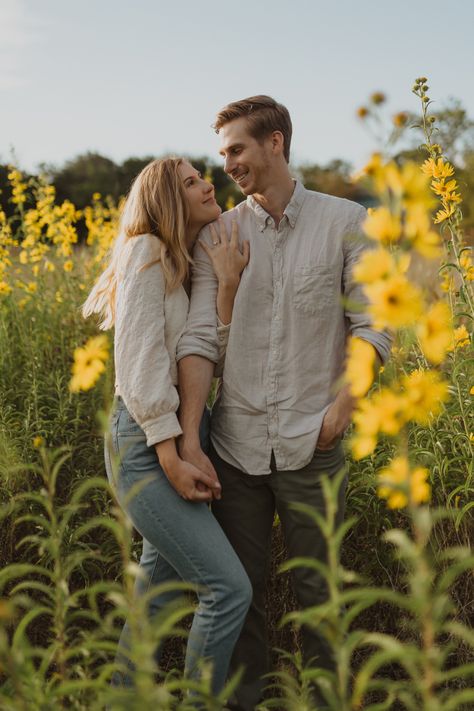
278	142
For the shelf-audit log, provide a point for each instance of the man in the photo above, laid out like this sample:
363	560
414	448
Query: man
278	421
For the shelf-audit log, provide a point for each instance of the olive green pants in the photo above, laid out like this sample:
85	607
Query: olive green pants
246	513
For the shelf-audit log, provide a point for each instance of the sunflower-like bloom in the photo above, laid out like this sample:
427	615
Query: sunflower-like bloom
437	168
417	230
435	332
460	338
466	264
382	413
382	226
360	366
89	363
400	485
376	264
444	214
394	302
446	190
425	392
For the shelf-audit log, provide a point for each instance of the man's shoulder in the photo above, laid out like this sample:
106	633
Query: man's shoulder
235	213
333	204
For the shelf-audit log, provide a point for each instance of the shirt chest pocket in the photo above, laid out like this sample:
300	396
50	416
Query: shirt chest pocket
313	288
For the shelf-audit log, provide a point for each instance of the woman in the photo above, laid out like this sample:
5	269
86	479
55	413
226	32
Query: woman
144	292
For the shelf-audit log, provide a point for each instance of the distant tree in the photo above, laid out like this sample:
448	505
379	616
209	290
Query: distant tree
128	171
334	179
85	175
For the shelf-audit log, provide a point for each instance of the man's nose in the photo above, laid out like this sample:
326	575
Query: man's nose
228	165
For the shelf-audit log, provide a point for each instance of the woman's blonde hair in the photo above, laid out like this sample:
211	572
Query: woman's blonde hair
157	205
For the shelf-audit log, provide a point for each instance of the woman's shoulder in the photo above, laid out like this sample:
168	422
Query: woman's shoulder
145	246
140	253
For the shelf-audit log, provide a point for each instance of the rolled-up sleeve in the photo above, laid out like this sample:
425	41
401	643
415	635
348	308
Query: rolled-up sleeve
142	362
360	323
200	336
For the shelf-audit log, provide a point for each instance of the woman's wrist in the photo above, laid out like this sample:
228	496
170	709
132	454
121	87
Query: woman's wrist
167	454
229	284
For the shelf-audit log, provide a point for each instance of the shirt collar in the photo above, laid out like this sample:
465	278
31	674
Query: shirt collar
292	210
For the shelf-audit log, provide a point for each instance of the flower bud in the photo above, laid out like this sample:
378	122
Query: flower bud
400	119
378	98
425	99
362	112
432	119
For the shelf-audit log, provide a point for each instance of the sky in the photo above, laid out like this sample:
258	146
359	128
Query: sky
146	77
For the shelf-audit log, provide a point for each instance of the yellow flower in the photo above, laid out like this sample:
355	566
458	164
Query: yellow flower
376	264
49	266
417	229
466	264
362	445
471	391
22	303
230	202
360	366
444	214
447	191
38	442
394	302
425	391
58	297
471	437
5	288
96	196
382	226
31	287
399	485
23	257
409	185
435	332
384	412
461	338
448	282
68	265
89	363
437	168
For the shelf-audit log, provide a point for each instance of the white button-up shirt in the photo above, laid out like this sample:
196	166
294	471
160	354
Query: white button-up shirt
295	307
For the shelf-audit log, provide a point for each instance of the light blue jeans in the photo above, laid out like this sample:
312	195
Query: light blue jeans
181	541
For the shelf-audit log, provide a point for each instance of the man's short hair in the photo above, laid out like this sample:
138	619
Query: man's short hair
264	115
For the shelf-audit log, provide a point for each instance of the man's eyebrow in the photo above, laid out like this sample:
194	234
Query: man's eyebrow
230	148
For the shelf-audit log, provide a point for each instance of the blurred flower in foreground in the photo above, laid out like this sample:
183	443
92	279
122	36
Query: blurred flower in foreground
360	366
435	332
89	363
400	485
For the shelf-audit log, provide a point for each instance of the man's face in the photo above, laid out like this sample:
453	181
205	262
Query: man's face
247	161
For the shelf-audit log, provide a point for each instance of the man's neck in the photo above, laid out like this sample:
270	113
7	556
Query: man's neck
275	199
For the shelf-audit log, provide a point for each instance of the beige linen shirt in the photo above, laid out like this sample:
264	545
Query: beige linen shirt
295	307
148	326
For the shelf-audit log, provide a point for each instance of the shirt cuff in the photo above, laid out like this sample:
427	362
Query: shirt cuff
164	427
221	325
380	340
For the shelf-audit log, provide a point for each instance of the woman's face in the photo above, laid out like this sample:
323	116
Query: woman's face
203	207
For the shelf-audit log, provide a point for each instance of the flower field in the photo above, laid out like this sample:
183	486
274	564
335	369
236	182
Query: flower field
400	603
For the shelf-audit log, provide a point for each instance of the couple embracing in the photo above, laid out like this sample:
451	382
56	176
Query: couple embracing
262	296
